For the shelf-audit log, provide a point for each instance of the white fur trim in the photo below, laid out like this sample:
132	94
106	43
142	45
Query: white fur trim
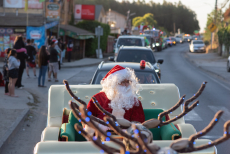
118	113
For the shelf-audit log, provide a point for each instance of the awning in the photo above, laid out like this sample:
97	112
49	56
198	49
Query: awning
76	33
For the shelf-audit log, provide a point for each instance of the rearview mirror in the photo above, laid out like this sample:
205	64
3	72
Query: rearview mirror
160	61
111	58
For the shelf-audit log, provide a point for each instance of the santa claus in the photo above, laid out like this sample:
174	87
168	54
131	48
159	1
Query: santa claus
118	96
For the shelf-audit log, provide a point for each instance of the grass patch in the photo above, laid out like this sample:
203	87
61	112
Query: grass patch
36	98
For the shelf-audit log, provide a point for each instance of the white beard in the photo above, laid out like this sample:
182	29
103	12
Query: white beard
122	98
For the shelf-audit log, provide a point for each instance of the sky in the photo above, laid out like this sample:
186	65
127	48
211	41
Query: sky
201	7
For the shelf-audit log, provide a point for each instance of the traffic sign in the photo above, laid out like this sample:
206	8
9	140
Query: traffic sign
99	31
212	27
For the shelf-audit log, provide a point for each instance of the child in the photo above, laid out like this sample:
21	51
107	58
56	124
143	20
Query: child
13	66
6	71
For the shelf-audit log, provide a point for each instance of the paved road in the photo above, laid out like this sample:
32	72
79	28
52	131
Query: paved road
175	69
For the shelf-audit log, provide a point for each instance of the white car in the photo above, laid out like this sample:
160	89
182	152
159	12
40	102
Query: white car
228	64
128	40
197	46
179	39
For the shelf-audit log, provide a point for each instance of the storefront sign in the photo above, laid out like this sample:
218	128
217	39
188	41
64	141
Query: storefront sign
19	30
52	24
36	33
85	12
52	11
32	4
4	31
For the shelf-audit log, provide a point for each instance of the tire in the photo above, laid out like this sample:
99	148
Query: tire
228	68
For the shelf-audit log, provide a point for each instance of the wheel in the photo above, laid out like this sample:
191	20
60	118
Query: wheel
228	68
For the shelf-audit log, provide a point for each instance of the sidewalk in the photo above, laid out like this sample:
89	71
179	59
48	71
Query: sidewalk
13	110
77	63
212	63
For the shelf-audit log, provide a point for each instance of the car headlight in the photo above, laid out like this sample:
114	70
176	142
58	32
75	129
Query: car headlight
157	44
188	39
156	71
153	45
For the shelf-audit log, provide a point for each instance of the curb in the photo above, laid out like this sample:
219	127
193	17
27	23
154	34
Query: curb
13	129
78	66
208	71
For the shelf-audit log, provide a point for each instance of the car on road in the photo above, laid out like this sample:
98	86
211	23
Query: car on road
173	40
228	64
144	72
164	44
169	42
197	46
128	40
179	39
136	54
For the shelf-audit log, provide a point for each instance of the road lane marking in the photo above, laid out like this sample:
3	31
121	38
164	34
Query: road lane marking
192	116
225	116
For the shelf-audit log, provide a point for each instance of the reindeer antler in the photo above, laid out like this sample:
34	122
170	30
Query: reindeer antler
77	114
186	109
190	142
152	123
72	94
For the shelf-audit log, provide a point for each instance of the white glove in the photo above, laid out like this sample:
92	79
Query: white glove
103	128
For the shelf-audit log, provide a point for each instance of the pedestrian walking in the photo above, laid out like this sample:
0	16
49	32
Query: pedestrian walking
31	51
53	62
6	71
69	49
43	57
35	46
61	45
13	66
22	56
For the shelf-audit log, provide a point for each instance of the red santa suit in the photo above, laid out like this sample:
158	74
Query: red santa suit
119	103
134	114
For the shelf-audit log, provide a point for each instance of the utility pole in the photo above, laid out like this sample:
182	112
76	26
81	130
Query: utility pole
174	27
213	34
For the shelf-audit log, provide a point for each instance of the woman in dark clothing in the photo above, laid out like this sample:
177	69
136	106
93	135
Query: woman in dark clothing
19	45
43	57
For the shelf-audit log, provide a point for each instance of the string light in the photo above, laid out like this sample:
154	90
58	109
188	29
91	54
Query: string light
194	142
108	134
78	97
89	113
159	127
136	131
107	139
79	113
102	142
94	138
209	142
87	119
216	119
79	132
101	151
107	122
79	120
127	152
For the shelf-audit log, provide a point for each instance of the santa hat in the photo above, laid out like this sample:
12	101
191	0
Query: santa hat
115	70
55	41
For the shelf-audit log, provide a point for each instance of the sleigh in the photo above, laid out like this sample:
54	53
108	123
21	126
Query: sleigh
60	135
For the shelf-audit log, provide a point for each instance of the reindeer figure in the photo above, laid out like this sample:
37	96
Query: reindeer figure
180	145
145	126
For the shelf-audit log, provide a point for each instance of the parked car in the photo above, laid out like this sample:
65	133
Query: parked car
228	64
164	44
136	54
197	46
145	74
128	40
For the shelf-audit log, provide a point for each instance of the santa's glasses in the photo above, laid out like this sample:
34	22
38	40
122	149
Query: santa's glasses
125	82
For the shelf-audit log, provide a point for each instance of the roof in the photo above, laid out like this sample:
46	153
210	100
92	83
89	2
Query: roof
77	30
135	66
130	36
135	48
98	10
117	13
10	19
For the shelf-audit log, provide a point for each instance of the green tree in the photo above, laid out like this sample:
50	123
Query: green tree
147	19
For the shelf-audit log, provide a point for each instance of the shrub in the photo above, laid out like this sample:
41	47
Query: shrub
92	44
